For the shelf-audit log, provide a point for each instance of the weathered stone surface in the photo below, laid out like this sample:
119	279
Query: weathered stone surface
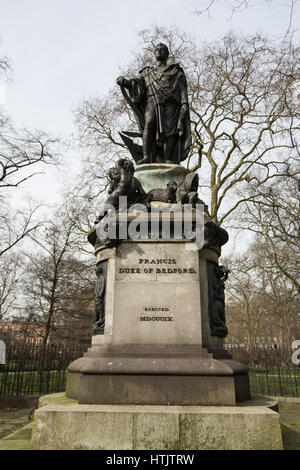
156	321
231	429
157	430
133	286
59	425
141	377
152	289
157	390
167	323
76	428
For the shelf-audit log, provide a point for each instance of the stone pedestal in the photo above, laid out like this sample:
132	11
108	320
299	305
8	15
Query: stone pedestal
157	377
157	347
63	424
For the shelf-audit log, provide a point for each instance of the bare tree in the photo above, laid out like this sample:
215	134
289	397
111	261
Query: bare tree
20	154
244	119
5	67
23	154
78	205
261	303
205	7
16	224
275	217
54	276
9	284
282	307
246	302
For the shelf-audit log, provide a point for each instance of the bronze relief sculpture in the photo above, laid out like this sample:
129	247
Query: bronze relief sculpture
100	290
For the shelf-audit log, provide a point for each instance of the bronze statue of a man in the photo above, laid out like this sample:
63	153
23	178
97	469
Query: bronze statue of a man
159	99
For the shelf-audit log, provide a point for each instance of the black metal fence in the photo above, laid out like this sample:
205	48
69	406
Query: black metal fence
33	369
271	370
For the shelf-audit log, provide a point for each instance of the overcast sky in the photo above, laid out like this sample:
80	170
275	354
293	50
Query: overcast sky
63	50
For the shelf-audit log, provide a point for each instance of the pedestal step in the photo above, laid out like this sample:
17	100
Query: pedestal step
156	380
65	425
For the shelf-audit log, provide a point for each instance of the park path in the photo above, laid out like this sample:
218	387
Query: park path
290	428
12	419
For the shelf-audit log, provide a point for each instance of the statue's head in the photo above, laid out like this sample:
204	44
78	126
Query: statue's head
172	187
126	164
161	51
113	176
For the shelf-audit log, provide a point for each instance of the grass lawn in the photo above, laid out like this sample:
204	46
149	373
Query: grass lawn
275	381
32	383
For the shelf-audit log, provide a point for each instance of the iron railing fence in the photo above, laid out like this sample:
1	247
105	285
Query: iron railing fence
35	369
271	370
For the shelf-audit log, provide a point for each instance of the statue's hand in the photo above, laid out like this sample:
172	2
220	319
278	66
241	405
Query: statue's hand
180	128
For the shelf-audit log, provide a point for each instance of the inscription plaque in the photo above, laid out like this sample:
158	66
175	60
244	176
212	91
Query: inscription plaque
156	290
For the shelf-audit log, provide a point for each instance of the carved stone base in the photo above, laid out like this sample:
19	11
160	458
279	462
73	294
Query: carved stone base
159	346
157	379
63	424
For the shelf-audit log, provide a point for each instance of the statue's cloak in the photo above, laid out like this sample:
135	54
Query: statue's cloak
167	88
